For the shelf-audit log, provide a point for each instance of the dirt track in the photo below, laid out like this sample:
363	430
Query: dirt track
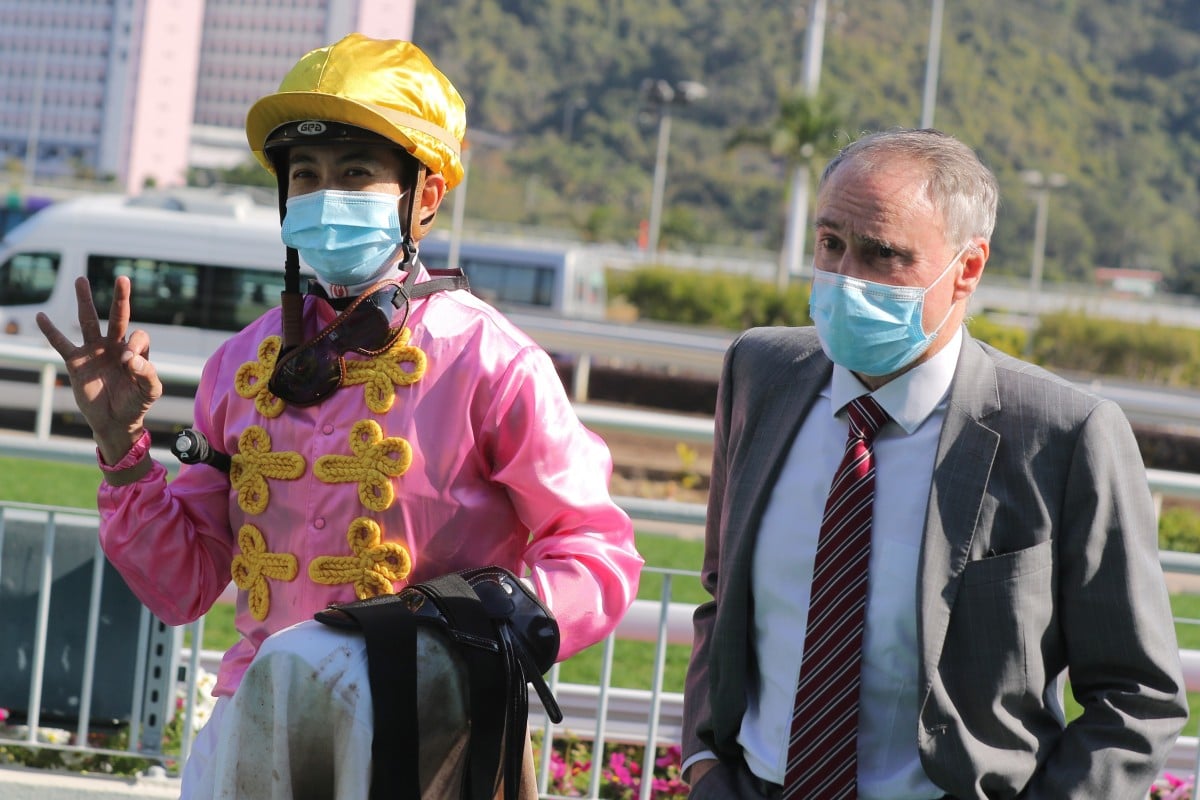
658	467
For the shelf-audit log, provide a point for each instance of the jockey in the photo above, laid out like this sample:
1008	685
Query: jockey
383	428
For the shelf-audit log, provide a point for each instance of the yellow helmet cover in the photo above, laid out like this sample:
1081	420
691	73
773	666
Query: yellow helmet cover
386	86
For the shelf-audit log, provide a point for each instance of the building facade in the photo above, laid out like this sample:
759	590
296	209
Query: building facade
137	91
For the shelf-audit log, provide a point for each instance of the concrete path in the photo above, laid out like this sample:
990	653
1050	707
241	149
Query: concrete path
31	784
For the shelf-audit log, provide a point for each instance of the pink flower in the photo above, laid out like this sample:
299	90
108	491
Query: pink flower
558	767
617	764
672	757
3	714
662	785
1176	789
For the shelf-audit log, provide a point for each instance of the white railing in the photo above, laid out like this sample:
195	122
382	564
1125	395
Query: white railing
29	539
597	713
672	347
51	395
83	620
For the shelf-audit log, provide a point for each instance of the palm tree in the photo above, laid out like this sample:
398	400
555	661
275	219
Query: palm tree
804	130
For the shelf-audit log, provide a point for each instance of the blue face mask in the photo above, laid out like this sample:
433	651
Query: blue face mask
871	328
344	236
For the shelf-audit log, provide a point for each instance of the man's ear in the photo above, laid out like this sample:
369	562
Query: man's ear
973	262
433	191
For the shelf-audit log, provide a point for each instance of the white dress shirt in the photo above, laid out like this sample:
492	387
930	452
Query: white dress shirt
889	764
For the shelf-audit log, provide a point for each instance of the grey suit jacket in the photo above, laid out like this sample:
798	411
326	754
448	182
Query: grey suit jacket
1039	556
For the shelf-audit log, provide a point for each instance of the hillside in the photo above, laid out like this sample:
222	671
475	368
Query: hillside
1105	92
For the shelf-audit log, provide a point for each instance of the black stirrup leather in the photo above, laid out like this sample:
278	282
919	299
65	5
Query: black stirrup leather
506	639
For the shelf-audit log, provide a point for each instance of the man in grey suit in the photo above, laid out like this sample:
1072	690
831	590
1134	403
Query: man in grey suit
1011	538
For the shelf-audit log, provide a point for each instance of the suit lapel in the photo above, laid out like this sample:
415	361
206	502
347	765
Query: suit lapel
966	451
765	439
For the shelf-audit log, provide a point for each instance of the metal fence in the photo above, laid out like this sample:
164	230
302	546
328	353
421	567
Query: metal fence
599	713
59	659
79	649
91	660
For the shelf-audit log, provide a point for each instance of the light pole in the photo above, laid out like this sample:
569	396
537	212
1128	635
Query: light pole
35	120
932	60
1041	186
459	209
479	138
795	232
660	95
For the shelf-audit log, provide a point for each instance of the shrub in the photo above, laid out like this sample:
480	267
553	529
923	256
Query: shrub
1179	530
1007	338
716	299
1069	341
1150	353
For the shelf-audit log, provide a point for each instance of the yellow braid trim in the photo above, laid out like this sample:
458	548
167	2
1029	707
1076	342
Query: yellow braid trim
254	463
372	569
381	374
252	378
254	565
375	462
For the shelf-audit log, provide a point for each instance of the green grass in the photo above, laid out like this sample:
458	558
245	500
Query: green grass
1187	607
48	483
54	483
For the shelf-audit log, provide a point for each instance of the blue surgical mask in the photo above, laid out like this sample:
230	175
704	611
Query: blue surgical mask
346	237
872	328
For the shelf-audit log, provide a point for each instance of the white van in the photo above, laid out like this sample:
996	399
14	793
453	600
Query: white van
202	265
563	279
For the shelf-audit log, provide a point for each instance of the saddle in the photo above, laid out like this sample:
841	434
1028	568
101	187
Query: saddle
505	637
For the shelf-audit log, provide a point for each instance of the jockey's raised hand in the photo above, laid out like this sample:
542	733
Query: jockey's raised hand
112	378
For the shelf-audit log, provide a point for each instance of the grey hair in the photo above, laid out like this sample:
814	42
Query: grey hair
957	182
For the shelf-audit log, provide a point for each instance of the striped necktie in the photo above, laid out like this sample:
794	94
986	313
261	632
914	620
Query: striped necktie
822	760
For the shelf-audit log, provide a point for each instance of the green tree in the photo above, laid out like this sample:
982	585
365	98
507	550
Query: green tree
804	130
248	173
1105	92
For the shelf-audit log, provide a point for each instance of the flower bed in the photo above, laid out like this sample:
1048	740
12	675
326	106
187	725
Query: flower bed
570	773
104	753
620	774
1172	787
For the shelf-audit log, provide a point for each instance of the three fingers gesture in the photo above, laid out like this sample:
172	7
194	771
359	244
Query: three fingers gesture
112	378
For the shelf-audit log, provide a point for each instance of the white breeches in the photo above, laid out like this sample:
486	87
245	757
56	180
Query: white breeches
301	723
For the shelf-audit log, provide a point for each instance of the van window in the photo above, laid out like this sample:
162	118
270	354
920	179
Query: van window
560	280
190	295
28	278
510	283
163	293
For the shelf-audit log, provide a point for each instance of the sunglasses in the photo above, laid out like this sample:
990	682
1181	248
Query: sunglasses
307	374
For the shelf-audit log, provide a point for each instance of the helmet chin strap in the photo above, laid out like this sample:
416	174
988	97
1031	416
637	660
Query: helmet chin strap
291	302
416	228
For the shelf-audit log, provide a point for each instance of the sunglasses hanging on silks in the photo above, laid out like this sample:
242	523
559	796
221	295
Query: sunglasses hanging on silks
310	372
